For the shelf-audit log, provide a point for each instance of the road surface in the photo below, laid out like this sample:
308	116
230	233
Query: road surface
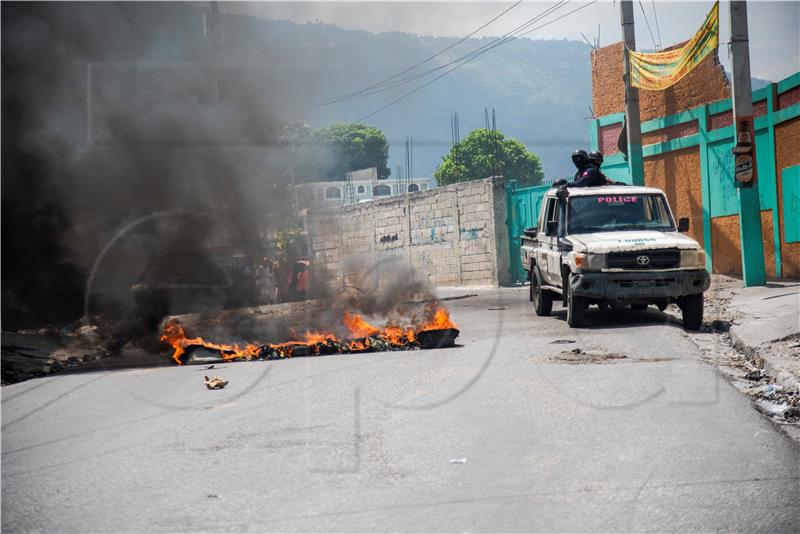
510	431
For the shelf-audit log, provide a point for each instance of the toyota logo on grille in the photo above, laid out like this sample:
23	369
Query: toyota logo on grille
642	260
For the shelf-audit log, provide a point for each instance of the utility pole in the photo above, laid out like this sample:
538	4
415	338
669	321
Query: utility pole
633	125
749	207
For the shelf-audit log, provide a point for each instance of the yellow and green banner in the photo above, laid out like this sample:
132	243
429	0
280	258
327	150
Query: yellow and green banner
656	71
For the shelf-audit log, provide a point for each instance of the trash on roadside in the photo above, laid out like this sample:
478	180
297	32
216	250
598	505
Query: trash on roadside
770	409
757	374
792	412
562	341
767	390
458	460
576	351
215	383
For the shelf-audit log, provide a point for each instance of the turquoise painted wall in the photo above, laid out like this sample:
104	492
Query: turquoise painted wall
720	197
790	183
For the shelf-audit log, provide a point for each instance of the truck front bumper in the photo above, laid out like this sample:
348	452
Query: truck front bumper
639	285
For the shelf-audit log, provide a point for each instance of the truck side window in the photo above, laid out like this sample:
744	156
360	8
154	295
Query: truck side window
548	215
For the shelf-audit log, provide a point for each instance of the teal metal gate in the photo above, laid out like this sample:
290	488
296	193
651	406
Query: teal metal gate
523	210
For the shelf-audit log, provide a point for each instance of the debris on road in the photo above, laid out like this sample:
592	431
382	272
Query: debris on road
215	383
562	341
579	356
458	461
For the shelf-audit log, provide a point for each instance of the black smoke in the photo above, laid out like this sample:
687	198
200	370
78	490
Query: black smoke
144	125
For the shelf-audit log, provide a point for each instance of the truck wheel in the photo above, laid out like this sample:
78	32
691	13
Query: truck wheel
530	287
542	298
692	310
576	308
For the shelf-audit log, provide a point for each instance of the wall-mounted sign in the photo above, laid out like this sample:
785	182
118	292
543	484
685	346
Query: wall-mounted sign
744	168
745	164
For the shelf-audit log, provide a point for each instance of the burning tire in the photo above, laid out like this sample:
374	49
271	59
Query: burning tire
437	339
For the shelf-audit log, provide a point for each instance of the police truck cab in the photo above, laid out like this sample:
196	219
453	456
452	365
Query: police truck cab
613	246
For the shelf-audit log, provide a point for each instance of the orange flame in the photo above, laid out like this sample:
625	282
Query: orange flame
358	327
439	320
360	332
175	336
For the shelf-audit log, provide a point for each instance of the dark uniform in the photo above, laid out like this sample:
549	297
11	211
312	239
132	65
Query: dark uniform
596	159
590	176
587	176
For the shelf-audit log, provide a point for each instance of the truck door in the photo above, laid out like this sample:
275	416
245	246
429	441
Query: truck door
548	239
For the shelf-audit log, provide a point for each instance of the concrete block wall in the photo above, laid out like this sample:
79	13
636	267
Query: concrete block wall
454	235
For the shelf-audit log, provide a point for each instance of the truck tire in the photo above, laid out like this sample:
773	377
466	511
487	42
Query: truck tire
576	308
542	298
692	311
530	286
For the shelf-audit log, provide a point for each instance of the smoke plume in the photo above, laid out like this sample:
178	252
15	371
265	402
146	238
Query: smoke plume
136	125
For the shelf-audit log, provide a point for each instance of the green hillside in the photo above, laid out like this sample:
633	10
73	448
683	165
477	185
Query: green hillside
541	90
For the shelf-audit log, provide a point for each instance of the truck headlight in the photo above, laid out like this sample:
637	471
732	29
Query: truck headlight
693	258
590	262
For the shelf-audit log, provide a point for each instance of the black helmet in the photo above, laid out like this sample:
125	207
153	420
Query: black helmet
596	157
580	158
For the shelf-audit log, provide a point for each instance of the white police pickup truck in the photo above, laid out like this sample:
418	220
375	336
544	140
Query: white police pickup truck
613	246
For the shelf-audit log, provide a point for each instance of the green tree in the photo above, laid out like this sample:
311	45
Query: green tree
485	153
349	147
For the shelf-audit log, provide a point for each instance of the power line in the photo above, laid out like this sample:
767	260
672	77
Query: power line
412	67
648	25
466	57
658	30
495	44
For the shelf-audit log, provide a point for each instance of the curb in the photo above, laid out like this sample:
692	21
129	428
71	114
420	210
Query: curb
761	361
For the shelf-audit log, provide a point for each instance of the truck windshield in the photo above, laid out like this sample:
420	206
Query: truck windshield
611	213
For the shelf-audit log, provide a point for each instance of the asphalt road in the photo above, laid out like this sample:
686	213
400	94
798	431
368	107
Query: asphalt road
635	433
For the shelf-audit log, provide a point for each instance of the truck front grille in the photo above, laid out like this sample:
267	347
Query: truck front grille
667	258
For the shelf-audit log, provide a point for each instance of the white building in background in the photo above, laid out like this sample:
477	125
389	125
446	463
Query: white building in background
358	186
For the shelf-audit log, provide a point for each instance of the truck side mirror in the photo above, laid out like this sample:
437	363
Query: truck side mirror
552	227
530	232
683	224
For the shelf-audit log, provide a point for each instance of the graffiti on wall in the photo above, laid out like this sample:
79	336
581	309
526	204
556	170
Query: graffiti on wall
432	230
